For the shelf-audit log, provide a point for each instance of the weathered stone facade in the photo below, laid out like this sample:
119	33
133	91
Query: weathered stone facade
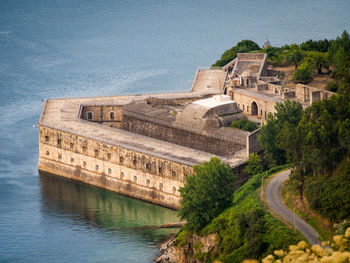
115	168
212	143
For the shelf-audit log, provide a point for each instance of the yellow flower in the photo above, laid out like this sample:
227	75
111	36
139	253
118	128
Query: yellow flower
279	253
302	244
268	259
347	232
293	247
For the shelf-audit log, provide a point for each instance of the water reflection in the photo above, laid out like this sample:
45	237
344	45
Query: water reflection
103	209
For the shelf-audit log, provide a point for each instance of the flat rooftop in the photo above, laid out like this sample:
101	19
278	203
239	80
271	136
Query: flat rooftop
62	114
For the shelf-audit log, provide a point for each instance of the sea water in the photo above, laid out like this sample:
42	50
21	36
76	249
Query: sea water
74	48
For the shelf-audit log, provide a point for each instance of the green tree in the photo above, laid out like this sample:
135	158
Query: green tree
241	47
305	71
294	55
320	60
288	112
254	165
206	193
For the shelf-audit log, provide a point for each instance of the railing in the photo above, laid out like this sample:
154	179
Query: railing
184	127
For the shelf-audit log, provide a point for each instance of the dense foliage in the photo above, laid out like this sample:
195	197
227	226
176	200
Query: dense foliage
207	193
245	125
317	144
246	229
254	164
287	114
242	47
308	57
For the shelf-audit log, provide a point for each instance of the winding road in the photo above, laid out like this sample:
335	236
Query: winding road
273	197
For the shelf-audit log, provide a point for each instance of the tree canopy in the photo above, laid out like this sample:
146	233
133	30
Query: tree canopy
241	47
287	114
206	193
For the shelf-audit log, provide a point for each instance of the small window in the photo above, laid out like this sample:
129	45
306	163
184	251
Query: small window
121	160
122	175
47	138
247	108
135	178
59	142
47	153
148	181
71	145
89	115
148	166
160	170
96	167
96	153
134	161
261	112
84	164
160	187
111	115
59	156
174	190
83	148
109	156
243	107
173	174
72	160
109	170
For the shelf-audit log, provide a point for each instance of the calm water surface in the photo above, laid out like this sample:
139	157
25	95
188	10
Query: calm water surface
56	49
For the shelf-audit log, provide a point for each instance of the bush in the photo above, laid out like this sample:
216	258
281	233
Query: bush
332	86
254	164
245	125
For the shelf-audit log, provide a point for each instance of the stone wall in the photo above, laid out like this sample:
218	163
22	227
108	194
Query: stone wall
253	145
245	104
135	174
219	145
110	115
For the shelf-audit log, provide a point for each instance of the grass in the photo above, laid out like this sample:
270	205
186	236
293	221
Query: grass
246	229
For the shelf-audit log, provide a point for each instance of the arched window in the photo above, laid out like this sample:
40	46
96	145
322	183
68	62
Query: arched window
160	187
135	178
89	115
111	115
254	108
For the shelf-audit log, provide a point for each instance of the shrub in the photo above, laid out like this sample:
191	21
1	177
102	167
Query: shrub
245	125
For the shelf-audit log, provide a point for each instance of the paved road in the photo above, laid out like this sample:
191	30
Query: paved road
273	197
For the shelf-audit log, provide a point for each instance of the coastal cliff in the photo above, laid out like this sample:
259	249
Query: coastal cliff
195	249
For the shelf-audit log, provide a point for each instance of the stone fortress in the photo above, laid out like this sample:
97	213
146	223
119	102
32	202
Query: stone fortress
144	146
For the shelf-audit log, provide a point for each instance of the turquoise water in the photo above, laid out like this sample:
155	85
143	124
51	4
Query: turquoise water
54	49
